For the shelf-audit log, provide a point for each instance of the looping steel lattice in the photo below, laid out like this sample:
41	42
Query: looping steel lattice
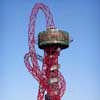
51	82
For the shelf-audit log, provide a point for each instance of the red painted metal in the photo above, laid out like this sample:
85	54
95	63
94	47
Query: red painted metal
46	76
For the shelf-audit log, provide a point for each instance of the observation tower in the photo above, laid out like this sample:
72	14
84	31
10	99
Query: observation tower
52	40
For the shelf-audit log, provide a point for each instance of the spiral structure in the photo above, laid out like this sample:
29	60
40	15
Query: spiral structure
51	82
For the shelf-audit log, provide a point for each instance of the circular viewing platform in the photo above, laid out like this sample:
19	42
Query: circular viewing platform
53	37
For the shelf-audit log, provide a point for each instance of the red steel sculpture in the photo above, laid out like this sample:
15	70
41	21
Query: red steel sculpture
51	82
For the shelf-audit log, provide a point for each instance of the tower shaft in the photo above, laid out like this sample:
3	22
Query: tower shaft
51	83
